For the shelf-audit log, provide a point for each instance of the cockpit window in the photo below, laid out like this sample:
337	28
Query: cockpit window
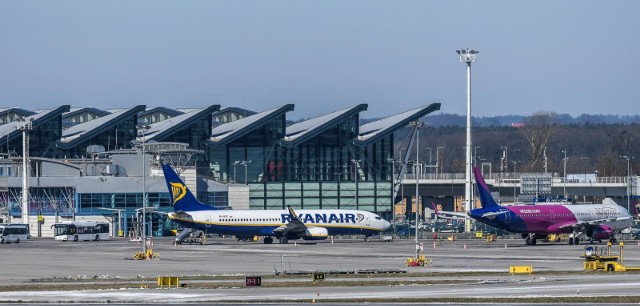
378	218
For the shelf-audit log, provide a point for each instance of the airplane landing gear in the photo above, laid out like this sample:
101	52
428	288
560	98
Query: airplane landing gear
574	238
268	240
284	240
530	239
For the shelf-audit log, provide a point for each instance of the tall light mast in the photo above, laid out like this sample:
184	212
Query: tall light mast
468	56
629	185
142	129
417	124
25	126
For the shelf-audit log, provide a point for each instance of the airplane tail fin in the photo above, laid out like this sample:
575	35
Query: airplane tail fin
181	198
435	208
486	200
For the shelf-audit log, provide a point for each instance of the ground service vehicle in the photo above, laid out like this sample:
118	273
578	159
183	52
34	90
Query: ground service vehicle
81	231
13	233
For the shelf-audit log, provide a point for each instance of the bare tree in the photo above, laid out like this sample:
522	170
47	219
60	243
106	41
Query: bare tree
538	129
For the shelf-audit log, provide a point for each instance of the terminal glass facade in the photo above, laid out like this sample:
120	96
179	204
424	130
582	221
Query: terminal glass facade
195	134
42	201
316	173
128	203
42	139
117	135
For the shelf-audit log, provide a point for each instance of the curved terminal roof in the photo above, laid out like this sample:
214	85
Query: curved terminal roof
302	131
228	132
159	130
80	132
161	109
375	130
237	110
10	129
17	110
78	110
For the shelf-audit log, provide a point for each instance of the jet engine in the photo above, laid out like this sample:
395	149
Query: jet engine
601	232
316	233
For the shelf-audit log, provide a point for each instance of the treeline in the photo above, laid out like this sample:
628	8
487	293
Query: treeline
589	147
439	120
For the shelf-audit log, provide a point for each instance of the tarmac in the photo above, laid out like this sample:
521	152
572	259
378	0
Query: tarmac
465	268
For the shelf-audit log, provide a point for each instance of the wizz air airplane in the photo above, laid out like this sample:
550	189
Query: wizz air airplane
281	224
596	221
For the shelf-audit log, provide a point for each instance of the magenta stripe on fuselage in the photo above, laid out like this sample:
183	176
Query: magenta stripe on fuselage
538	218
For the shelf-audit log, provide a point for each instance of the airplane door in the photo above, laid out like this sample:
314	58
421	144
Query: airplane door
507	217
207	218
367	221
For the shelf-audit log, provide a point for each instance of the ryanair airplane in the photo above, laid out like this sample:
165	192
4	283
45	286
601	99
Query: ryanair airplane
281	224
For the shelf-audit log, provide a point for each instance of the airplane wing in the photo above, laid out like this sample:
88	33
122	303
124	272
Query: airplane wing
559	226
576	224
294	227
182	215
449	214
494	213
600	221
452	215
584	224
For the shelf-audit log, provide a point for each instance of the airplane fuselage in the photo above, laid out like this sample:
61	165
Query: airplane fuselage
553	219
264	222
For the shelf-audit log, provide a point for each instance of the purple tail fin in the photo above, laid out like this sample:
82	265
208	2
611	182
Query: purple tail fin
486	200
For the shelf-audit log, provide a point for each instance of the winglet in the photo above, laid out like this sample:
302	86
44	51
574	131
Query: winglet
292	213
486	200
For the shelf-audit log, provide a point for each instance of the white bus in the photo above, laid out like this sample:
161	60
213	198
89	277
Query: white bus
13	233
81	231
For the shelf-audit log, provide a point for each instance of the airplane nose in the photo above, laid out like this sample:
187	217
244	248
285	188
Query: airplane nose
385	224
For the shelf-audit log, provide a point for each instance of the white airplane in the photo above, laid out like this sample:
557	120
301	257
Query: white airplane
282	224
598	221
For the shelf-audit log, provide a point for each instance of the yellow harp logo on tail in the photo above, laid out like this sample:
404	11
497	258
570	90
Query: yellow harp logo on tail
178	191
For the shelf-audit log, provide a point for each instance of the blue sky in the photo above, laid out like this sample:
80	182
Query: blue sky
563	56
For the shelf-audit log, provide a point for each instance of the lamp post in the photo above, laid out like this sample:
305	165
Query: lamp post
564	180
393	191
438	159
245	163
355	177
504	159
25	126
515	198
235	163
475	155
544	154
417	124
584	169
468	56
429	148
143	129
628	159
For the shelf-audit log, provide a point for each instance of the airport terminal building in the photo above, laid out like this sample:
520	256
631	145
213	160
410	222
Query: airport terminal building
87	163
